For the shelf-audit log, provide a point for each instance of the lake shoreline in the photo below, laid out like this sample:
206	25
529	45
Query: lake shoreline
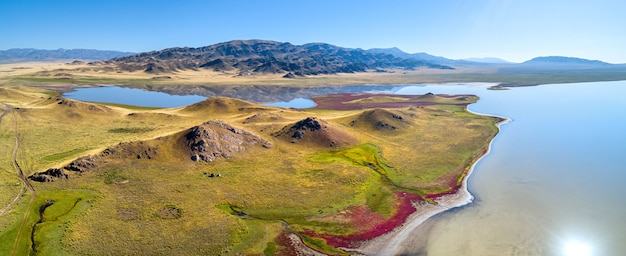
395	242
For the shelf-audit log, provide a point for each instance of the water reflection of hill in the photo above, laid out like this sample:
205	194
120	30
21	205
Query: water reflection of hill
264	93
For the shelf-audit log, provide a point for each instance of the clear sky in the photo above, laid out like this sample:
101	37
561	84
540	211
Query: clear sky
515	30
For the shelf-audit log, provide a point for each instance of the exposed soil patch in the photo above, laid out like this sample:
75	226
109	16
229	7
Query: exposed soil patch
127	214
170	212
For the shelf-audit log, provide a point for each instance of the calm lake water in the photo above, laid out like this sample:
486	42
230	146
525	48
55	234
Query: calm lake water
133	97
295	103
554	183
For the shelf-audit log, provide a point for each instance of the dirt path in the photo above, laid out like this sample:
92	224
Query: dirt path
16	165
3	211
27	186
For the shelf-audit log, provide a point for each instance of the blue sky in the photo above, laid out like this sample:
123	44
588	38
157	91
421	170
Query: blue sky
513	30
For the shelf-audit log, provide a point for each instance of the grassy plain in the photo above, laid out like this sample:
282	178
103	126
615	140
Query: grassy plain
167	204
58	74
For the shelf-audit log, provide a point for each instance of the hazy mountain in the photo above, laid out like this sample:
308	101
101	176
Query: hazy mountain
28	54
262	56
417	56
491	60
550	60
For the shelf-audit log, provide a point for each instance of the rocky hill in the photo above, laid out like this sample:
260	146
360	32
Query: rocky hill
208	142
261	56
312	131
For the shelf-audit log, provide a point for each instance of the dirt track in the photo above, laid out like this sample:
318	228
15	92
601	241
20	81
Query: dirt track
8	109
8	207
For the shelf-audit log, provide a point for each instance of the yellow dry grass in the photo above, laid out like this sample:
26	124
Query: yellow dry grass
281	183
59	74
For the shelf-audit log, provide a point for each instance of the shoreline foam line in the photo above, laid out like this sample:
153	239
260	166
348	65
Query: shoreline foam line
389	244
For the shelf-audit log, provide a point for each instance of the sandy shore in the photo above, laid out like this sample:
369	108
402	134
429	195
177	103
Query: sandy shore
397	241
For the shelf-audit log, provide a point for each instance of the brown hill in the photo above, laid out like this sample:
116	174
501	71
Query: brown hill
315	132
262	56
264	117
216	139
217	105
208	142
379	120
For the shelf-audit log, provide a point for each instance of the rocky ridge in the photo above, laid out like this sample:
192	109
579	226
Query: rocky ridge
207	142
262	56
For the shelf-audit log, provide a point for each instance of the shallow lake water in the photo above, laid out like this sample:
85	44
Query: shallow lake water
553	184
133	97
555	181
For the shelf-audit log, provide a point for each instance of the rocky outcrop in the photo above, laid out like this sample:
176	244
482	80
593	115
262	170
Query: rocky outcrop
126	150
216	139
49	175
289	75
207	142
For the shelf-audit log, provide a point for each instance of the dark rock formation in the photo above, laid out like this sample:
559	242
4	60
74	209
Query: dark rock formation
310	123
49	175
126	150
82	164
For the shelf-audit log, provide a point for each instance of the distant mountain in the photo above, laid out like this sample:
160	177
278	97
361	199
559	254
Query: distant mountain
549	60
262	56
491	60
416	56
28	54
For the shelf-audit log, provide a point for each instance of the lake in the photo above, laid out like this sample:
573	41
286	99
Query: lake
553	184
133	97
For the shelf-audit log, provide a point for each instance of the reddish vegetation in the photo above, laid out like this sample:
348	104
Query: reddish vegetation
454	187
370	225
455	182
285	245
337	101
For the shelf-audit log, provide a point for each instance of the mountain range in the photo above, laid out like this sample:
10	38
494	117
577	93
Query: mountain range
245	57
29	54
262	56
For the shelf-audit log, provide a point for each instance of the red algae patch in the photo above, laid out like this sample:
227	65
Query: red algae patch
355	101
368	224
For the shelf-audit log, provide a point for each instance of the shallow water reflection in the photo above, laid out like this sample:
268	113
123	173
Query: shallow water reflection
554	178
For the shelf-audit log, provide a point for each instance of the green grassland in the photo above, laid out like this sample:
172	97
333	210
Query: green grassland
167	205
